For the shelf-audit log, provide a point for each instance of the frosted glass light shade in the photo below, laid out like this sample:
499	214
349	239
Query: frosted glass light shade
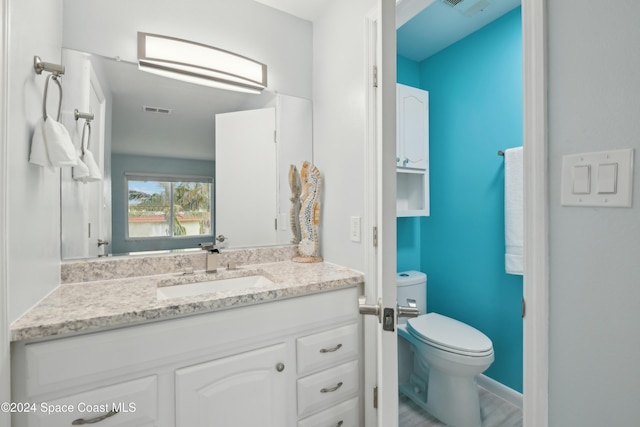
200	64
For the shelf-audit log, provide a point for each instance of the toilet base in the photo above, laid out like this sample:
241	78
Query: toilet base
454	400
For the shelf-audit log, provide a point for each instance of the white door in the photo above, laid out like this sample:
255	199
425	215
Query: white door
83	204
95	190
245	390
250	136
380	288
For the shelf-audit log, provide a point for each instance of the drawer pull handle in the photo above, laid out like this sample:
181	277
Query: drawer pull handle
339	423
331	350
329	390
81	421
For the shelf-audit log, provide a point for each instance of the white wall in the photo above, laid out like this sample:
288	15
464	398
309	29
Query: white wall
33	212
5	394
594	86
339	124
246	27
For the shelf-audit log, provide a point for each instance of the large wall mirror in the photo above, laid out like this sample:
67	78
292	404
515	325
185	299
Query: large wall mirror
182	164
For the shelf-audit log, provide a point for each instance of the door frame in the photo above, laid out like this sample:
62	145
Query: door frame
536	215
536	208
380	355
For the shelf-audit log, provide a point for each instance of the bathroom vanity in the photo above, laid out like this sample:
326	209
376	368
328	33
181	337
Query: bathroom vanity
281	354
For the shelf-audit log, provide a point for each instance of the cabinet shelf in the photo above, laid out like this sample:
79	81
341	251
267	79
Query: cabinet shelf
412	193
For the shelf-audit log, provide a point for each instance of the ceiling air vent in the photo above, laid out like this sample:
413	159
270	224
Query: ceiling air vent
468	7
157	110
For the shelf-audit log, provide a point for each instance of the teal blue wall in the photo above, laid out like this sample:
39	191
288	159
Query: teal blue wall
475	103
125	163
408	240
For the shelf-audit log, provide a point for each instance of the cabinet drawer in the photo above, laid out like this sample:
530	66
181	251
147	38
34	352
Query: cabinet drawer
135	401
345	414
326	388
326	348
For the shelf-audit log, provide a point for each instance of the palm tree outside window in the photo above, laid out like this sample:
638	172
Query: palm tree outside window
168	206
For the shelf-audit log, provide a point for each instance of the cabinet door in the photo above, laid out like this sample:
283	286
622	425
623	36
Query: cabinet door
244	390
412	150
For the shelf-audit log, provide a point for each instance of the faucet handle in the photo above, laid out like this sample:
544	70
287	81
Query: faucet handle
208	246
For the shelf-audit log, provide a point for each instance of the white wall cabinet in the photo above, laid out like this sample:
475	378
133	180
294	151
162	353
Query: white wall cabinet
412	151
412	146
273	364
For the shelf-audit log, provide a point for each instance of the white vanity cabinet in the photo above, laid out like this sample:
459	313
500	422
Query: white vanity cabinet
412	151
271	364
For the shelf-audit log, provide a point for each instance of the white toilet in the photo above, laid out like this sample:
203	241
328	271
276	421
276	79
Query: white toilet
439	358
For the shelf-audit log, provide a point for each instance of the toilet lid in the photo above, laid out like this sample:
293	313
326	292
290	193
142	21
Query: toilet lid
449	334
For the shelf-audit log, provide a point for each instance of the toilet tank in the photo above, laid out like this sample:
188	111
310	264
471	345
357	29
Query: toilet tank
412	285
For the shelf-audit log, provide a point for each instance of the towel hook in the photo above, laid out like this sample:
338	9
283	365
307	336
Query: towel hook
78	115
87	125
55	78
39	65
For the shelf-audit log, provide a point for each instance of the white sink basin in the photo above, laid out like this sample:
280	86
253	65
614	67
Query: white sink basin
199	288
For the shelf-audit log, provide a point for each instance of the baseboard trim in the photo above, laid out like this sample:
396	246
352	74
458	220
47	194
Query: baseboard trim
500	390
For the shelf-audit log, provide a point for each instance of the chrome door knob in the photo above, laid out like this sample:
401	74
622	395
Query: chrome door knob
369	309
410	310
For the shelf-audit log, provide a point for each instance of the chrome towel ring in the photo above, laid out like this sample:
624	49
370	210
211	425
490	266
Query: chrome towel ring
87	125
56	71
55	78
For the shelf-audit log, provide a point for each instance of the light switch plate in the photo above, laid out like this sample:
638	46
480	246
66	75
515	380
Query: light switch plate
354	229
610	179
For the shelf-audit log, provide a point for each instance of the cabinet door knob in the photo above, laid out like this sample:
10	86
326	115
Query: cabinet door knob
280	367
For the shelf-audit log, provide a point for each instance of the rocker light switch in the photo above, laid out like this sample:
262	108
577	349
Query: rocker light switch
607	178
582	179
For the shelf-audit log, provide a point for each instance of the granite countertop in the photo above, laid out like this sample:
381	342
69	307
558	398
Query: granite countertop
91	306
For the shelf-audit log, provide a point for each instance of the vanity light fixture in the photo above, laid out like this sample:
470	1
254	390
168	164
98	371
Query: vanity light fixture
200	64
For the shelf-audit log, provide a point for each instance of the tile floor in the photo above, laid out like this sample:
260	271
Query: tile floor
495	413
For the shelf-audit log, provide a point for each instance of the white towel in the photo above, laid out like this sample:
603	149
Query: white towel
39	155
513	210
94	170
60	148
80	171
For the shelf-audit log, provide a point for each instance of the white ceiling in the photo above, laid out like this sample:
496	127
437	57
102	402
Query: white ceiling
193	110
440	25
425	26
305	9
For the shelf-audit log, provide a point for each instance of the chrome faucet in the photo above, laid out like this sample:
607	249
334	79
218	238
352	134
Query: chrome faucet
212	256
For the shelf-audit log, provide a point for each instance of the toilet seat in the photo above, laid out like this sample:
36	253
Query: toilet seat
450	335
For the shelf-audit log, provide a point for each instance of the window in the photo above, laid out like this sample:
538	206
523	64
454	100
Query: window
168	206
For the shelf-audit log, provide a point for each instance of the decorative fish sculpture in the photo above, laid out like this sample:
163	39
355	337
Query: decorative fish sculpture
309	214
294	183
